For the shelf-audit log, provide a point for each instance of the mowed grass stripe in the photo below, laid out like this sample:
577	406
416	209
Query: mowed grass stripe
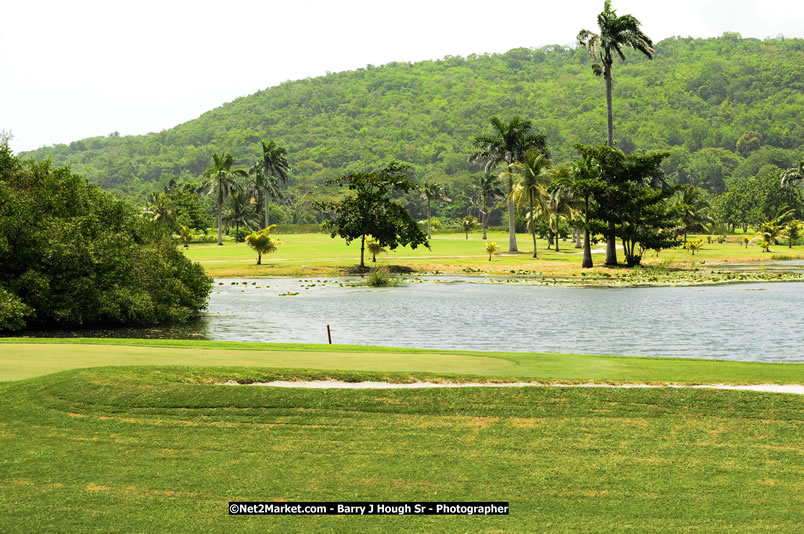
20	359
143	449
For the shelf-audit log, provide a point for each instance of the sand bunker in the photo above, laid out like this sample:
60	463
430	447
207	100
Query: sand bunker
334	384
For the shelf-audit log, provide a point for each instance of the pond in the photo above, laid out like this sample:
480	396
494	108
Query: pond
756	321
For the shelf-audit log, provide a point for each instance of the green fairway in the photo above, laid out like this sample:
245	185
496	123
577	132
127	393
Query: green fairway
154	449
319	254
24	358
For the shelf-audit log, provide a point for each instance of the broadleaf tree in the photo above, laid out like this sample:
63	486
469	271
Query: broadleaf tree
368	211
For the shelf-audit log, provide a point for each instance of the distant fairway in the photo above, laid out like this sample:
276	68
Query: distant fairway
162	450
319	254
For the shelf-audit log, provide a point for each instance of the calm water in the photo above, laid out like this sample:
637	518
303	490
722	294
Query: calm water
762	322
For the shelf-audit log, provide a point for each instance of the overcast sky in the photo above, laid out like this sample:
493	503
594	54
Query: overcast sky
74	68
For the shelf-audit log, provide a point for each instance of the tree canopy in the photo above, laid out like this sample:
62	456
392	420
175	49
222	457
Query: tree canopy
369	211
73	255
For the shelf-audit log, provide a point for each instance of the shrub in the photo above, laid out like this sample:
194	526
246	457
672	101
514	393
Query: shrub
380	278
73	255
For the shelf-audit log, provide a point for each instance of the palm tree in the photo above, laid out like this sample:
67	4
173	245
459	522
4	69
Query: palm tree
507	144
374	247
770	230
694	207
487	191
275	169
491	249
240	211
432	191
159	209
581	183
533	181
559	205
792	231
791	176
467	224
262	242
615	33
266	186
222	178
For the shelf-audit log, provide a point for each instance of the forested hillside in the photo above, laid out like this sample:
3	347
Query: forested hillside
724	107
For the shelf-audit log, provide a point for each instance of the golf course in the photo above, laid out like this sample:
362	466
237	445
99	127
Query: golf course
137	435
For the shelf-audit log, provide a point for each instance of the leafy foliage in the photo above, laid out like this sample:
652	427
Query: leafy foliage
72	255
262	242
696	95
369	210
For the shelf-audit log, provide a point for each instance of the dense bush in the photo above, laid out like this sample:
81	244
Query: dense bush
73	255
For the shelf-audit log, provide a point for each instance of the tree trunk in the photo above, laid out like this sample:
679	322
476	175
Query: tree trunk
259	258
267	208
485	215
587	246
532	222
611	247
587	251
609	115
557	242
220	215
579	239
511	225
362	250
429	224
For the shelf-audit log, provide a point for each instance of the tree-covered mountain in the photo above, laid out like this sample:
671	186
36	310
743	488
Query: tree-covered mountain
725	107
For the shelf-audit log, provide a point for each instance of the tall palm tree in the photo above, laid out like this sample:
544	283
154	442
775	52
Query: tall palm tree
487	191
615	33
266	186
432	191
275	167
222	178
507	143
532	184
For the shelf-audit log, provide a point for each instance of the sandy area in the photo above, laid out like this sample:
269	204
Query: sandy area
333	384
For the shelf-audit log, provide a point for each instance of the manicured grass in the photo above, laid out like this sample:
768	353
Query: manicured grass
153	450
321	255
25	358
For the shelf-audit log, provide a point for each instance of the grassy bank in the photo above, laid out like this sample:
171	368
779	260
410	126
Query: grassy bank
25	358
152	449
320	255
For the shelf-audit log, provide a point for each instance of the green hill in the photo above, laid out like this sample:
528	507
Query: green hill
697	98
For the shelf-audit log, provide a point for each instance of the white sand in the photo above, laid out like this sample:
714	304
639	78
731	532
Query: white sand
333	384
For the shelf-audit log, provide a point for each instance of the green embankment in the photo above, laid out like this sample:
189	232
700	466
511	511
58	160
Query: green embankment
146	449
23	358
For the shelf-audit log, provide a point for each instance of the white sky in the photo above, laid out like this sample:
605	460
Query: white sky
80	68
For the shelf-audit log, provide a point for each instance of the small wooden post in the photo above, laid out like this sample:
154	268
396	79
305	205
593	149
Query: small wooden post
329	335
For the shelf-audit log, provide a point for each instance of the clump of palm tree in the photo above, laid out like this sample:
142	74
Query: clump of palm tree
240	212
220	177
770	230
507	143
262	242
